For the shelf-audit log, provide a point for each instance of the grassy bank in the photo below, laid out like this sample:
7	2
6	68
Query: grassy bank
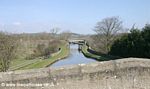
100	57
40	63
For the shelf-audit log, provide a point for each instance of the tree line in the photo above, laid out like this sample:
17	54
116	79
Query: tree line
134	44
111	39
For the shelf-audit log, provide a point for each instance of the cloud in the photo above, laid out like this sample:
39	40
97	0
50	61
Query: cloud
16	23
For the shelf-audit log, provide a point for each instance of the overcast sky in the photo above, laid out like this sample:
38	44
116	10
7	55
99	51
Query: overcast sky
78	16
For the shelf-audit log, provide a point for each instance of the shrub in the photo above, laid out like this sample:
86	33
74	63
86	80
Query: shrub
7	50
134	44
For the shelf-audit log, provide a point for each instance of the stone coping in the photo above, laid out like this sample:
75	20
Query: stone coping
75	69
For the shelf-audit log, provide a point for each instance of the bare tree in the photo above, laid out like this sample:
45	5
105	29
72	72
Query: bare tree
54	31
65	35
7	51
107	29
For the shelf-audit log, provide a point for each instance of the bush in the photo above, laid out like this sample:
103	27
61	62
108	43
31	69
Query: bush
45	50
7	50
134	44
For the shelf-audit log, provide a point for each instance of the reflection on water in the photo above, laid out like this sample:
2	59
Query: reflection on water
75	57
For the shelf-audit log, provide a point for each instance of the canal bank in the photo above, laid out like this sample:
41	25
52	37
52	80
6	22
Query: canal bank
88	52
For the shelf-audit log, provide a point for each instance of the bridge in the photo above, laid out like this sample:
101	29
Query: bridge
76	41
129	73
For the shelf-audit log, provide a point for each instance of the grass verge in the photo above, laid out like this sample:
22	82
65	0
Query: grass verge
100	57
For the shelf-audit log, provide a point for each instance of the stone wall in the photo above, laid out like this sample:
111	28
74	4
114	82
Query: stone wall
131	73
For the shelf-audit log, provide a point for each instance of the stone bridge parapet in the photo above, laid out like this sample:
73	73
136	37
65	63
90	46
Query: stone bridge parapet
129	73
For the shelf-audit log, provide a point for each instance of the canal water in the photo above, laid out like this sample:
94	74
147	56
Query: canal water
75	57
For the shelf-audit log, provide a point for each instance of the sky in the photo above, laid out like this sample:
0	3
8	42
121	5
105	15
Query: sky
78	16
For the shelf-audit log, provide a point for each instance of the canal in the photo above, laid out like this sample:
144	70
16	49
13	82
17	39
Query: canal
75	57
